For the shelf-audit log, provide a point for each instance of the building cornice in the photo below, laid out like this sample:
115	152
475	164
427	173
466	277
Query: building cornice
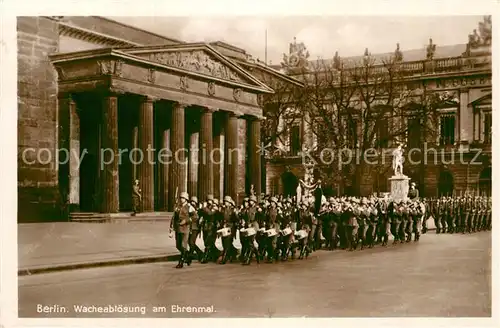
80	33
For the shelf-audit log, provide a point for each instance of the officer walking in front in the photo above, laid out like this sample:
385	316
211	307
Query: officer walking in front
180	225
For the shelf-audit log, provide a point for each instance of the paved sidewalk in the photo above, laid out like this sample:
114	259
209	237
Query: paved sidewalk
65	245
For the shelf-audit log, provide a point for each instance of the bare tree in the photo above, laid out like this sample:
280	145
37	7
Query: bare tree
281	109
361	106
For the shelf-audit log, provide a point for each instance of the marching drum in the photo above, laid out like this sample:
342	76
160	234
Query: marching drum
249	232
271	232
224	232
301	234
286	231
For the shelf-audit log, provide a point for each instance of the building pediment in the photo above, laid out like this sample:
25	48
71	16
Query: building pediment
200	60
482	101
189	73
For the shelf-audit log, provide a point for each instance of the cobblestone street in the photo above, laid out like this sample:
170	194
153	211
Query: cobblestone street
442	276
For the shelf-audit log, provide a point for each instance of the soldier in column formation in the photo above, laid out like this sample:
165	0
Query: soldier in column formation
465	214
276	228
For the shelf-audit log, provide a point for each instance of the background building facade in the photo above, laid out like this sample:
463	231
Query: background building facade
447	108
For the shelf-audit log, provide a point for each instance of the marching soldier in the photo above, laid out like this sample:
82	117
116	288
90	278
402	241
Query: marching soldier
304	229
242	224
180	225
286	230
352	213
373	224
194	231
272	230
209	227
386	211
251	226
395	219
227	228
362	218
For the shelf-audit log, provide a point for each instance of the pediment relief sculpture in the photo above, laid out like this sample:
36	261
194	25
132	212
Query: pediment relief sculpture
197	61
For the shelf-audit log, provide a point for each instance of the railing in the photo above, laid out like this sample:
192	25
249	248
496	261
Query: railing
414	68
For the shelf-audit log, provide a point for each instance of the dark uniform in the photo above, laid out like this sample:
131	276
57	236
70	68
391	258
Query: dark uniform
209	228
194	232
180	225
136	198
229	220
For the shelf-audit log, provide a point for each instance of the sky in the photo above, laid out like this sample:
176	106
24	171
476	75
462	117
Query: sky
322	35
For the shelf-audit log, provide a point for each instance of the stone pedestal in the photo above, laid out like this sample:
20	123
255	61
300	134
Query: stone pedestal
400	185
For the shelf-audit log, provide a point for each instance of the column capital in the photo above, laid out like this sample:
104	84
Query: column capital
113	92
181	104
234	114
147	98
210	109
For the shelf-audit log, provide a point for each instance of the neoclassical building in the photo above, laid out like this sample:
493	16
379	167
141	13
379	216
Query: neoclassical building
463	127
111	95
96	87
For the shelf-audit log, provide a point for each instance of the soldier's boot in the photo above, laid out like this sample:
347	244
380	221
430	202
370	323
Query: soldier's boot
408	237
189	257
205	257
386	240
417	236
199	253
293	251
302	252
276	255
224	257
180	264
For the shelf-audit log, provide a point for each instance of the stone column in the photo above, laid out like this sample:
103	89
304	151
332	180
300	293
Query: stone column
465	118
206	167
231	157
109	159
254	154
219	146
164	158
178	164
194	154
135	145
69	141
146	168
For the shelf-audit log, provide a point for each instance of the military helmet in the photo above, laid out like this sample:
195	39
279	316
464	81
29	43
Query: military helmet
184	195
253	198
194	199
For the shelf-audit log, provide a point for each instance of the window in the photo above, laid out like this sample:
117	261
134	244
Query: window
414	133
383	133
447	129
295	142
487	128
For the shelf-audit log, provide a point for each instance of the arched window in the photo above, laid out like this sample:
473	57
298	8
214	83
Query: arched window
484	182
445	184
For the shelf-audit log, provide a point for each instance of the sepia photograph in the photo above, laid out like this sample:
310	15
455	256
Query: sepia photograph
263	166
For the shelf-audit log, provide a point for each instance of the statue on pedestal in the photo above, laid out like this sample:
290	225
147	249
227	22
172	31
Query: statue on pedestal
397	160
